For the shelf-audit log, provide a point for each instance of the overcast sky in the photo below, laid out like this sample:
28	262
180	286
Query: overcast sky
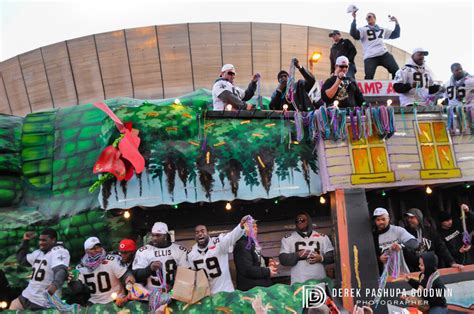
445	28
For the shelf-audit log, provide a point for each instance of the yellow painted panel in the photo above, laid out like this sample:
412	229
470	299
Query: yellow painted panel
440	174
445	157
425	136
429	157
440	134
372	178
375	138
379	159
361	160
356	142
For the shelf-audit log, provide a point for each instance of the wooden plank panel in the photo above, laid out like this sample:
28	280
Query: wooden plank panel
318	40
144	62
294	44
332	144
15	86
406	149
58	69
459	148
404	158
339	170
466	164
336	152
266	54
468	172
337	161
340	180
410	166
85	68
114	65
36	82
206	53
4	104
173	41
403	175
237	50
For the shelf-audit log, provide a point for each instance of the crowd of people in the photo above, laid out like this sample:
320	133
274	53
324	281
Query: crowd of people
414	82
104	277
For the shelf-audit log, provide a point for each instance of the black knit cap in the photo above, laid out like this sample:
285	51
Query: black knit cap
281	73
443	216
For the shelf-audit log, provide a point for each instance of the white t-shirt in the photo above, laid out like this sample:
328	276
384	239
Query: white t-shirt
372	41
316	242
170	257
411	73
214	260
104	280
459	91
43	274
221	86
395	234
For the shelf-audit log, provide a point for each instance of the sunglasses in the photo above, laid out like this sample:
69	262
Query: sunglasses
231	73
343	66
298	221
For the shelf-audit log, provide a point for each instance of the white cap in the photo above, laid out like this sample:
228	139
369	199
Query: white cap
341	60
91	242
352	8
228	67
379	211
419	49
160	228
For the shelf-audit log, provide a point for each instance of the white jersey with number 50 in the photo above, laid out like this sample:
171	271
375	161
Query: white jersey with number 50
214	259
43	275
104	280
170	257
316	242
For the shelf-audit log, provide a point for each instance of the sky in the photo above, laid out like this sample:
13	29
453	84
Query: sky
444	28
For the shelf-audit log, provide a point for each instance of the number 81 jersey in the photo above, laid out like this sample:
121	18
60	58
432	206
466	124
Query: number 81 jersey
104	280
170	257
43	274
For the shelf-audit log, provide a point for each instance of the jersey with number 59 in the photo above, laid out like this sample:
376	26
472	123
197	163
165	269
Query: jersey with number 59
412	73
214	259
460	91
315	242
170	257
43	274
104	280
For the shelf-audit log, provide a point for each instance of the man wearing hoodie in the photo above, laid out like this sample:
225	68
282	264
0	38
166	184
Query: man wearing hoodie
389	237
224	92
452	234
429	241
49	270
460	87
301	87
306	251
414	82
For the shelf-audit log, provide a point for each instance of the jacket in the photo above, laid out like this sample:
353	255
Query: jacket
251	266
343	48
302	89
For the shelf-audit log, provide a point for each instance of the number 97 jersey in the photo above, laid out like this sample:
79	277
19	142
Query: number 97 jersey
104	280
170	257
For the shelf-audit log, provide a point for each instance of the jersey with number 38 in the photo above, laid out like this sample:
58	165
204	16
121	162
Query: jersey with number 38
214	259
170	257
43	275
104	280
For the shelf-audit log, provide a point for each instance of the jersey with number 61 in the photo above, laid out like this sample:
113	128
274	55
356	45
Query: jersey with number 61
170	257
104	280
412	73
461	91
43	274
214	259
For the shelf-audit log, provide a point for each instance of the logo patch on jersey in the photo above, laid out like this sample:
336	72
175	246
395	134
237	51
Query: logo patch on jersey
212	247
61	258
105	262
316	235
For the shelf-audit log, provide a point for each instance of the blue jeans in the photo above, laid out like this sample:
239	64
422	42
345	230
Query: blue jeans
438	310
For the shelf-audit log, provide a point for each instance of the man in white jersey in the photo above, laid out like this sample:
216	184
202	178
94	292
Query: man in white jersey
375	53
389	237
211	254
49	264
224	92
414	82
101	274
156	263
306	251
460	87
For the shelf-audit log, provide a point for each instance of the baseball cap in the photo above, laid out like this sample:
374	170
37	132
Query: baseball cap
443	216
342	60
127	245
227	67
91	242
281	73
160	228
334	32
379	211
419	49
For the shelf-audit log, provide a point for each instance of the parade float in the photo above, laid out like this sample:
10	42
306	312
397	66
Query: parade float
338	162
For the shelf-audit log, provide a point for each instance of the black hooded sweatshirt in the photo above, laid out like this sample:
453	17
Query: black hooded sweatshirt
436	298
302	89
453	238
